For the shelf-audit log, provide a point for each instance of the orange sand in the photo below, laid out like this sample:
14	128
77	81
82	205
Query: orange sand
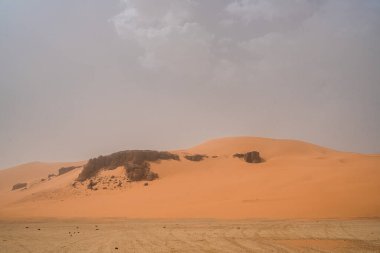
297	180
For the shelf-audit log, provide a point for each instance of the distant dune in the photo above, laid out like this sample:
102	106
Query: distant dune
296	180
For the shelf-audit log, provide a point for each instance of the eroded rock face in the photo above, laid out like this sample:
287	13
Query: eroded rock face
19	186
139	172
134	160
64	170
250	157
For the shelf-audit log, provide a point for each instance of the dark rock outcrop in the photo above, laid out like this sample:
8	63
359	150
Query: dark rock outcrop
64	170
250	157
139	172
19	186
195	158
135	162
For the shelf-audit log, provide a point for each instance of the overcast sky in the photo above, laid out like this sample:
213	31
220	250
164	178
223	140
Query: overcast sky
84	78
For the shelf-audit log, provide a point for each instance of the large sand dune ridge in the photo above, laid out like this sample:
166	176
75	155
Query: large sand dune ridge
297	180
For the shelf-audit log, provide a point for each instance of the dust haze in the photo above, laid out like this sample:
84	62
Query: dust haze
79	79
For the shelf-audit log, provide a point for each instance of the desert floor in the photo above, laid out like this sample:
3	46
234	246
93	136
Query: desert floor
190	236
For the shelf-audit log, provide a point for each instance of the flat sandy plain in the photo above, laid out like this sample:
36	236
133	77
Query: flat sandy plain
190	236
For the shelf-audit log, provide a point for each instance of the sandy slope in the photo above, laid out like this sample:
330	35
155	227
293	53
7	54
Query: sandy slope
297	180
30	172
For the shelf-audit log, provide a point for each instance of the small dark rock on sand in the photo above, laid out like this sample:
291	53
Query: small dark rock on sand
250	157
195	158
91	185
19	186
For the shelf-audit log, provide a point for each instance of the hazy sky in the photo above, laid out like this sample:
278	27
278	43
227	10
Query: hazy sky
90	77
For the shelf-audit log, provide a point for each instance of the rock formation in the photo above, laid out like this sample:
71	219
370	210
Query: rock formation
250	157
64	170
19	186
139	172
195	158
135	162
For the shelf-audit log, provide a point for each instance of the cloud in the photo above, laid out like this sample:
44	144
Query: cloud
170	38
288	69
271	10
313	48
180	39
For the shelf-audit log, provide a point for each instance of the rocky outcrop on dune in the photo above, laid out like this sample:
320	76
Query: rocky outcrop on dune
64	170
91	185
19	186
250	157
140	172
136	163
104	182
196	157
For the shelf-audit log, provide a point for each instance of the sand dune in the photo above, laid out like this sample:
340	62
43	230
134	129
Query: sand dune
297	180
30	172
